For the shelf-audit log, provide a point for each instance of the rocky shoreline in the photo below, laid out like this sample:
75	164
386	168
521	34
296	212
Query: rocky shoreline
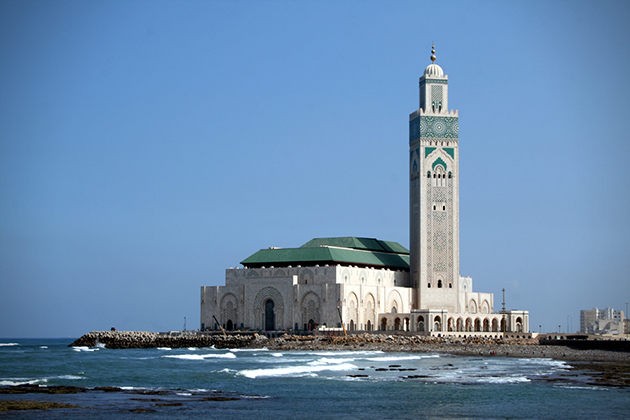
466	346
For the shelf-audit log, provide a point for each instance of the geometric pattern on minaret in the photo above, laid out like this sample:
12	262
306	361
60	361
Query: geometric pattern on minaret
434	195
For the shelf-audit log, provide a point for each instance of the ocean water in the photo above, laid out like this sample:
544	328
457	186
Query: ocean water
206	383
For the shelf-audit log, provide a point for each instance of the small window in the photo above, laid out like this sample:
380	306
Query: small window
439	284
429	285
450	285
434	208
429	174
444	208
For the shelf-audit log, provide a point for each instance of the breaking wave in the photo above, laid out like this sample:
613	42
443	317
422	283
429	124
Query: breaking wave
308	370
201	356
85	348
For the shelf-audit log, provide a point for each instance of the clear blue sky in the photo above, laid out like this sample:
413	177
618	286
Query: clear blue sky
146	146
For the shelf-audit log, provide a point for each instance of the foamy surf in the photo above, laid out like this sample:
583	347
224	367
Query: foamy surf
21	381
201	356
308	370
331	360
85	348
397	358
9	344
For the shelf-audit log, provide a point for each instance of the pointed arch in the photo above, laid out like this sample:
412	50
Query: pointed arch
370	310
394	302
310	310
352	305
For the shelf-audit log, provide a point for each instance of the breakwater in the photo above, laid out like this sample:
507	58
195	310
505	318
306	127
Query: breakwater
144	340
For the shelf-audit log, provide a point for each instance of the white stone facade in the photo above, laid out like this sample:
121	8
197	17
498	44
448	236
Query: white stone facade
304	297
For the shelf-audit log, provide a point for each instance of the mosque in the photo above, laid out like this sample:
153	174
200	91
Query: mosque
369	284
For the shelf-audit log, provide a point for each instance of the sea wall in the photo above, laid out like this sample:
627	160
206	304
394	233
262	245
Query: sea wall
143	339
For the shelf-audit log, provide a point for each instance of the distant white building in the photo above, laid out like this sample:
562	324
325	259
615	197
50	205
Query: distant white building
368	283
602	321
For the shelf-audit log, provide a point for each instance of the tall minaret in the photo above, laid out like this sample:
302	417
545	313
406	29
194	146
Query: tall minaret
434	195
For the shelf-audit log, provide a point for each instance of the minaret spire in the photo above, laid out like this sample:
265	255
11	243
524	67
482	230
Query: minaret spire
433	57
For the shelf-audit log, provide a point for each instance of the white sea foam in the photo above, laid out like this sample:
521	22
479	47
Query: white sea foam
307	370
164	348
100	345
347	353
9	344
202	356
331	360
589	388
276	354
69	377
43	347
21	381
395	358
85	348
184	394
193	348
503	379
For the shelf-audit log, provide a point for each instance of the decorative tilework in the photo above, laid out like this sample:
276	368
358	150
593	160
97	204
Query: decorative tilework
450	151
428	151
436	97
440	127
439	228
441	81
437	162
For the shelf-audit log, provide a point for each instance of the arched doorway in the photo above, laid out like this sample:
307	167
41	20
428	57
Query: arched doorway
397	324
230	325
383	324
270	316
369	325
437	324
311	325
352	325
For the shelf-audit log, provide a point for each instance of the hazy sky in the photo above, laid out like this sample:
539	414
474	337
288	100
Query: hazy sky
147	146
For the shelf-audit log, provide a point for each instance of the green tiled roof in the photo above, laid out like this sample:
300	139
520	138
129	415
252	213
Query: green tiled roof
346	250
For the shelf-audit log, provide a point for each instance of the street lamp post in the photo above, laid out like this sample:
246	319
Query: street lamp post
504	323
